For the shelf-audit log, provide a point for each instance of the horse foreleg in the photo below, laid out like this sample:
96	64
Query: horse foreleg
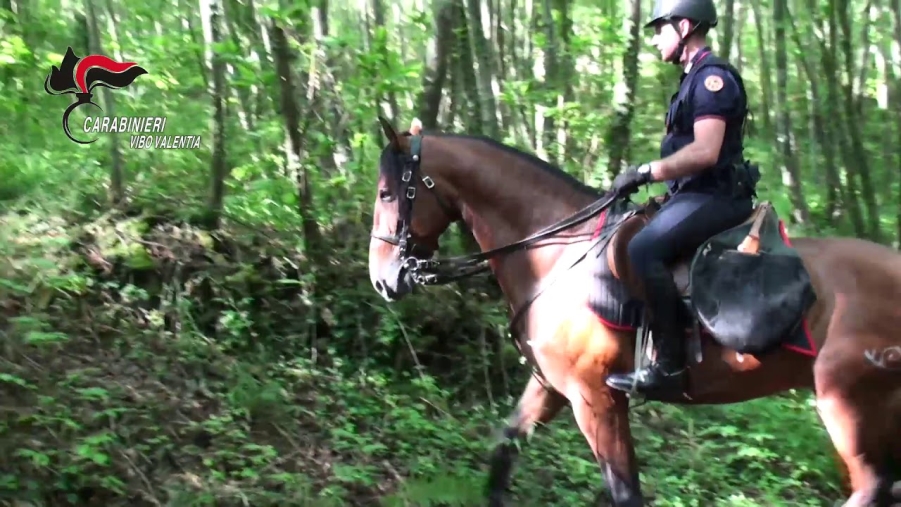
537	405
603	418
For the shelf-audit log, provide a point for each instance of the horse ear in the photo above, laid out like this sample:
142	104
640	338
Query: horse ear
416	127
389	131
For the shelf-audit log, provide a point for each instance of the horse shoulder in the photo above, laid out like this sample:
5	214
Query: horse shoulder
574	343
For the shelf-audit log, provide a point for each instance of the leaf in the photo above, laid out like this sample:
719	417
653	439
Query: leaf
12	379
44	338
9	284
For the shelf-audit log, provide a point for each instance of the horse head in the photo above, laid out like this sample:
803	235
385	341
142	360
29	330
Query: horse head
409	214
509	199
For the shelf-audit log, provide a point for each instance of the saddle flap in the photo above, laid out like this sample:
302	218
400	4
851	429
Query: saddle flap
618	253
618	249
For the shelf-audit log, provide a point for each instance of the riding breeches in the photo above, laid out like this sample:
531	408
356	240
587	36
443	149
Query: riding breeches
683	223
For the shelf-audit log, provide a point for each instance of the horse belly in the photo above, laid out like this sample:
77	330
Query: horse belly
724	376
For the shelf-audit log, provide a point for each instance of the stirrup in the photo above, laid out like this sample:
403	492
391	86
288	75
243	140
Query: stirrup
668	384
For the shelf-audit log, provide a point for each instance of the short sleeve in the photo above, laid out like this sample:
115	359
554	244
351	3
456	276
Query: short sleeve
716	94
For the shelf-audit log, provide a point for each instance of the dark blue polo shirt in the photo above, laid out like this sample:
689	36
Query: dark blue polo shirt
707	90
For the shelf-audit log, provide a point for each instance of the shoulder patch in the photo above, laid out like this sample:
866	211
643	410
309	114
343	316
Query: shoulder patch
713	83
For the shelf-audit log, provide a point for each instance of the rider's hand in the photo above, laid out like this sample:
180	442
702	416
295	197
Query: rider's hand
629	180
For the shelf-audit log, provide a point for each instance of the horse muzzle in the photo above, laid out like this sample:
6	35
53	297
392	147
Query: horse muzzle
396	282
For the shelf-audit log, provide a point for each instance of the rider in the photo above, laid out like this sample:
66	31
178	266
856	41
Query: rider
710	186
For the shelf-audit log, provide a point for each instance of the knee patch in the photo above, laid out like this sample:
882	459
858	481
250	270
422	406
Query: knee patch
641	252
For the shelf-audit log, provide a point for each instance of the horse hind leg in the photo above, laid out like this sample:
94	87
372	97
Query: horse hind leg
892	483
537	405
861	410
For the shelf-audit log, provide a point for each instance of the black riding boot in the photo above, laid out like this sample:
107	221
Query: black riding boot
668	324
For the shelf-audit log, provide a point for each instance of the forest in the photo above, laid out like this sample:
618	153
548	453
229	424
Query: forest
187	317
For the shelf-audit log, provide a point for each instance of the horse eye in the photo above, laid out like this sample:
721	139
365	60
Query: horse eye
385	195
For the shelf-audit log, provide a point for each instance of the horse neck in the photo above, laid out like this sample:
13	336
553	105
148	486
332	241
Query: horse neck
504	198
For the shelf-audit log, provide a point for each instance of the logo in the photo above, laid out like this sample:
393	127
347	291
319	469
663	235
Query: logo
81	75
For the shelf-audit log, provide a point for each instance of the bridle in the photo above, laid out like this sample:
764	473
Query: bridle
443	271
403	236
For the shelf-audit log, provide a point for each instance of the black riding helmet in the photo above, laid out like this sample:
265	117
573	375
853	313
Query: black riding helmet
702	12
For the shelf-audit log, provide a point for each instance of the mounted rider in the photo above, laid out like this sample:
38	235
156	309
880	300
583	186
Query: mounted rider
710	186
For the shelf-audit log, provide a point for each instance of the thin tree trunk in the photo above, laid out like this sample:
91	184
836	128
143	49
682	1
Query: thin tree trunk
785	134
619	134
435	75
211	12
728	29
483	55
820	133
862	165
895	105
116	191
296	128
378	15
765	72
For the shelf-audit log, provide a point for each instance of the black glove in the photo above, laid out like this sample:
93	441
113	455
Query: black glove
629	180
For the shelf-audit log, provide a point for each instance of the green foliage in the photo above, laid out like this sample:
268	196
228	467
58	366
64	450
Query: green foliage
147	360
151	391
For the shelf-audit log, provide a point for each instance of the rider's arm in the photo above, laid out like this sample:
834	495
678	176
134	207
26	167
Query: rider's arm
716	97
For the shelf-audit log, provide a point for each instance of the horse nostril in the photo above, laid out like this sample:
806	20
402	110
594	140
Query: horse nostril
379	287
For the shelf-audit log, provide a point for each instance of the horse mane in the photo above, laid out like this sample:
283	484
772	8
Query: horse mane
389	163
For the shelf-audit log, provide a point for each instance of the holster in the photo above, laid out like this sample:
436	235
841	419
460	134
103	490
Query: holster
742	180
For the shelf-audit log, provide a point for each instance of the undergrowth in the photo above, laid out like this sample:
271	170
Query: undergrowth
145	362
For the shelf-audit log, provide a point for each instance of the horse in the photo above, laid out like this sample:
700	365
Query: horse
554	245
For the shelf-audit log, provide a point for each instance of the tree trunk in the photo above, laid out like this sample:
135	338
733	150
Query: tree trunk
765	72
836	128
436	69
785	134
116	190
895	105
739	29
211	18
568	78
821	135
861	164
483	55
728	29
296	128
619	134
465	70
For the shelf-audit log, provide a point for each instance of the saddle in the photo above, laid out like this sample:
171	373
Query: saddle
746	286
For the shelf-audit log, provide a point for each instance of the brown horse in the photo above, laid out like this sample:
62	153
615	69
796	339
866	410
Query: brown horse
562	280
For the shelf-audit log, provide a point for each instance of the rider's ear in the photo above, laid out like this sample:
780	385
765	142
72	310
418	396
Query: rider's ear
390	133
684	27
